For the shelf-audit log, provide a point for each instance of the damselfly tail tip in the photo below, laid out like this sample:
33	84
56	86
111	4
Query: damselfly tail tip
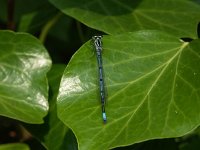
104	117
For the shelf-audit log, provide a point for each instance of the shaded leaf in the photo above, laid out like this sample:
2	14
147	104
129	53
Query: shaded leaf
190	141
179	17
161	144
152	83
32	18
24	63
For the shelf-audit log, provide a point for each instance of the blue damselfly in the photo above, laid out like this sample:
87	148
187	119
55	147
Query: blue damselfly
97	41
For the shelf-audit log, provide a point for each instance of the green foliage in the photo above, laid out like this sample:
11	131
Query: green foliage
179	17
15	146
23	86
51	139
146	75
151	59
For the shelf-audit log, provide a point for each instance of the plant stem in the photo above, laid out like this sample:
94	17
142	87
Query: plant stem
80	32
48	26
10	14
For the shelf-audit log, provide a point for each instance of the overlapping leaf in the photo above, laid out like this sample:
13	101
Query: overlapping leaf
24	63
152	85
53	133
59	136
178	17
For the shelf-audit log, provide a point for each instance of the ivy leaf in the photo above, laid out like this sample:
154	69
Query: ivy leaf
24	63
152	84
179	17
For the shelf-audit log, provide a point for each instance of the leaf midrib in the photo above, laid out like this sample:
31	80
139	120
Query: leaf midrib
152	86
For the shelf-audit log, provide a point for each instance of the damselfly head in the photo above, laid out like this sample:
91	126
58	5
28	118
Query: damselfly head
97	40
97	37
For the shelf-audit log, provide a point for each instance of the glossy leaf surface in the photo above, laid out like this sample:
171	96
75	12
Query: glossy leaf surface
179	17
24	63
152	84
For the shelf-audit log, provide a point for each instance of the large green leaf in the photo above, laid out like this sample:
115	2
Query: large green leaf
153	90
178	17
24	63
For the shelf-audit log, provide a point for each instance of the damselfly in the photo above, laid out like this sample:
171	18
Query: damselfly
97	41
